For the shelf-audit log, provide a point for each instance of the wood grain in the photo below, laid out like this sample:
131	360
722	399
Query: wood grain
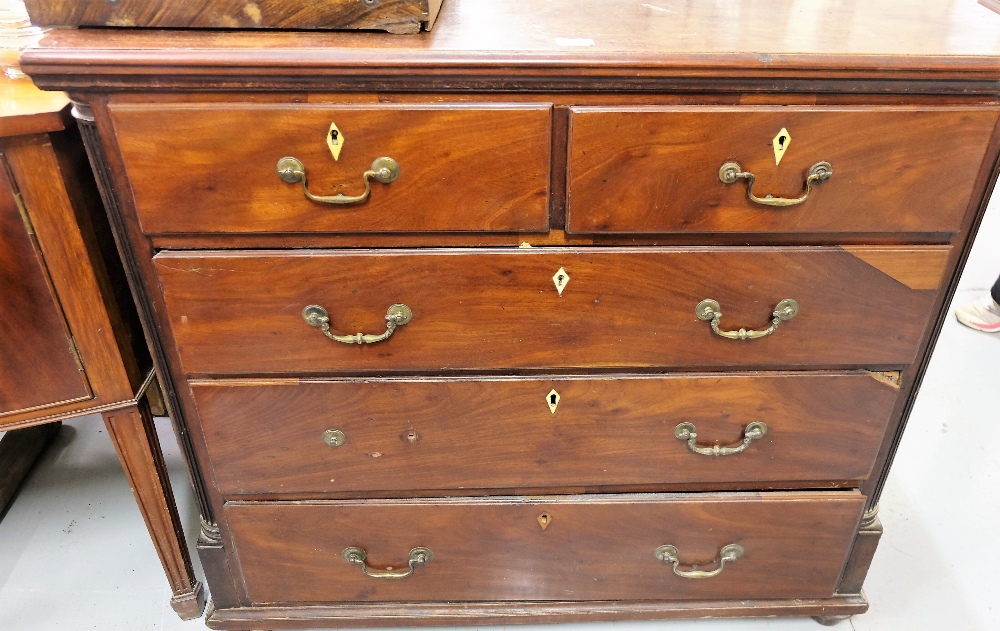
65	218
660	168
134	437
462	167
24	109
596	547
912	267
240	312
434	434
67	260
32	325
568	44
425	614
395	16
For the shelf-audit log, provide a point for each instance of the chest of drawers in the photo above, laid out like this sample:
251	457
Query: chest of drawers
642	309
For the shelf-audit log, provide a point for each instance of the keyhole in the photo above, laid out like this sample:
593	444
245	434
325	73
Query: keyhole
781	142
335	136
552	400
543	520
560	279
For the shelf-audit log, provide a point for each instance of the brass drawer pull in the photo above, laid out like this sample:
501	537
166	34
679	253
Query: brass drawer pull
709	309
668	554
397	315
384	170
688	432
357	556
818	173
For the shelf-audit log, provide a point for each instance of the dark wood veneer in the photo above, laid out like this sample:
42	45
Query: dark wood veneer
596	547
395	16
894	170
475	167
618	431
240	312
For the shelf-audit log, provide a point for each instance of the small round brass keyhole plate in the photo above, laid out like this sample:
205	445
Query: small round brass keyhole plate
334	437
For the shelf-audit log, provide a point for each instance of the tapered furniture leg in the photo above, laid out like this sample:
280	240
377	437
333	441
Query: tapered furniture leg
134	436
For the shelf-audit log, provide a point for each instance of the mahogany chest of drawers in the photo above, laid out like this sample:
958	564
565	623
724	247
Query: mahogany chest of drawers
643	302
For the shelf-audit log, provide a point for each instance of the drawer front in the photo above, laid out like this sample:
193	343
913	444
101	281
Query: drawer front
461	167
433	434
591	548
241	312
657	169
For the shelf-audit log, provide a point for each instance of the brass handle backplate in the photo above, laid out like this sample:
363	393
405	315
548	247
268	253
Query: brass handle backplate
669	554
384	170
709	309
357	556
688	432
818	173
396	316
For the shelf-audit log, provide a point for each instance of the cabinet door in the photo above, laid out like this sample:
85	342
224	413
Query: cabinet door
37	364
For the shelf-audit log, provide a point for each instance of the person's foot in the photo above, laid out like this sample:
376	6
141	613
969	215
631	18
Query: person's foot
982	315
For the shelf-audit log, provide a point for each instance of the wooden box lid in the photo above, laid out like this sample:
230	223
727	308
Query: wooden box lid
395	16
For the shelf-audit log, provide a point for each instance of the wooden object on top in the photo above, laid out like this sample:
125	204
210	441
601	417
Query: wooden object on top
70	338
395	16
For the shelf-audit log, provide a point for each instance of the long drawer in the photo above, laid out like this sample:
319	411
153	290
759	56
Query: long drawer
213	168
243	312
568	548
657	169
431	434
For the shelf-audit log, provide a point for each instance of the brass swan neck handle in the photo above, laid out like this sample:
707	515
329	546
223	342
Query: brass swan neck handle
688	432
818	173
396	316
357	556
709	309
670	555
384	170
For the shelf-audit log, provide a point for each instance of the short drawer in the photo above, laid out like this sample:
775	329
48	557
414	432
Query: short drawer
657	170
243	312
324	437
568	548
212	168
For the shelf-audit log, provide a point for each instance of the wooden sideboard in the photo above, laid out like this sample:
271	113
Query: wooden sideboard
644	301
70	338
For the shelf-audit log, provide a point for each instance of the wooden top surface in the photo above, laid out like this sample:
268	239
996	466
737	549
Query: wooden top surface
942	39
24	109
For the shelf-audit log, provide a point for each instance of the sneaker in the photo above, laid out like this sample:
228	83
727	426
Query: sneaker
982	315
